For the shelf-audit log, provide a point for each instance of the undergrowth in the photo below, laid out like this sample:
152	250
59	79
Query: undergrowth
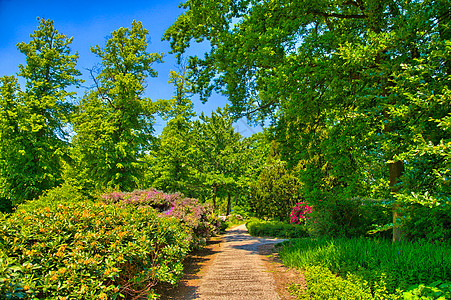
368	269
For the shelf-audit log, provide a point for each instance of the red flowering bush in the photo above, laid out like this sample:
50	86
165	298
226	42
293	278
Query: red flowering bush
299	213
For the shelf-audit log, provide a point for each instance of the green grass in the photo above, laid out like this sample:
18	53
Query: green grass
384	267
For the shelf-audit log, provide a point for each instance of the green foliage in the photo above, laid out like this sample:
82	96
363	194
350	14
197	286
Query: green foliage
349	86
33	120
62	193
435	290
85	250
114	123
276	191
171	159
6	205
276	229
353	217
323	284
198	218
218	153
425	218
386	268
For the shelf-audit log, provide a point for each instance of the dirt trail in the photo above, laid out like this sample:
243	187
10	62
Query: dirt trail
236	271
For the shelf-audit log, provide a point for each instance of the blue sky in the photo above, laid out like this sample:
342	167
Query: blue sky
89	23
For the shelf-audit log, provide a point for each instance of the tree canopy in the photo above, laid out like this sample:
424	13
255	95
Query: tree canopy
352	88
33	120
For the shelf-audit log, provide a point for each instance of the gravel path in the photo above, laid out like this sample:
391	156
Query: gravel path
237	272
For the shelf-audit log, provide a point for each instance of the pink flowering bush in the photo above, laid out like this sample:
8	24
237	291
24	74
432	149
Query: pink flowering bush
299	213
197	217
151	197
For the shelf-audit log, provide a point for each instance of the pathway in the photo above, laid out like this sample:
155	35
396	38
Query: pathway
237	272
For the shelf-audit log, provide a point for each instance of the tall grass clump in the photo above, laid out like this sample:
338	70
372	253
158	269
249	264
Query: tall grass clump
383	265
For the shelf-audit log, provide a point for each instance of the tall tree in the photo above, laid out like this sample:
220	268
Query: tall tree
114	122
33	124
321	68
170	162
217	151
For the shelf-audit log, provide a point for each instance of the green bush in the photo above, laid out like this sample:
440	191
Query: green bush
85	250
388	268
354	217
276	229
6	205
432	224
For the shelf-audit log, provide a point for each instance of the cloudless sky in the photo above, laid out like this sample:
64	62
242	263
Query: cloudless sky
90	23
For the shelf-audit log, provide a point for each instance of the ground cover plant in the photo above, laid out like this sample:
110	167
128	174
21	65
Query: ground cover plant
368	267
278	229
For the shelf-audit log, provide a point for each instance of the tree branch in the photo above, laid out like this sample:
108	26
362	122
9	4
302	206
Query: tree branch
340	16
101	93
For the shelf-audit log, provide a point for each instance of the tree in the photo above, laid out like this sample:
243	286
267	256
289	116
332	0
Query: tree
33	122
169	160
114	122
276	191
319	68
216	154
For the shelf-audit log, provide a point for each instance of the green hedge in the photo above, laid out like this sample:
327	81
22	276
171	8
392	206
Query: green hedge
86	250
276	229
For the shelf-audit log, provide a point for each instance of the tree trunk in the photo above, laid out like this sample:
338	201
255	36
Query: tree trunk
215	192
395	170
229	204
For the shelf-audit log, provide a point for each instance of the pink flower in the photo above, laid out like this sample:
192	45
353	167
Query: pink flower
298	213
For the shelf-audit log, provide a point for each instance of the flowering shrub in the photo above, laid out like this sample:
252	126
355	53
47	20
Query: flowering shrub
151	197
86	250
199	218
299	213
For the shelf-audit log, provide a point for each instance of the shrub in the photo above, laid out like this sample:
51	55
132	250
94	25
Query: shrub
299	213
6	205
426	218
198	217
348	217
85	250
323	284
276	229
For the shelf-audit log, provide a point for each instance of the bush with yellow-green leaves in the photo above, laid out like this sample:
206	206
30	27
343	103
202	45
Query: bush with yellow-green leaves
88	250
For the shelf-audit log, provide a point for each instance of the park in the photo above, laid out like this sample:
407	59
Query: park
342	193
